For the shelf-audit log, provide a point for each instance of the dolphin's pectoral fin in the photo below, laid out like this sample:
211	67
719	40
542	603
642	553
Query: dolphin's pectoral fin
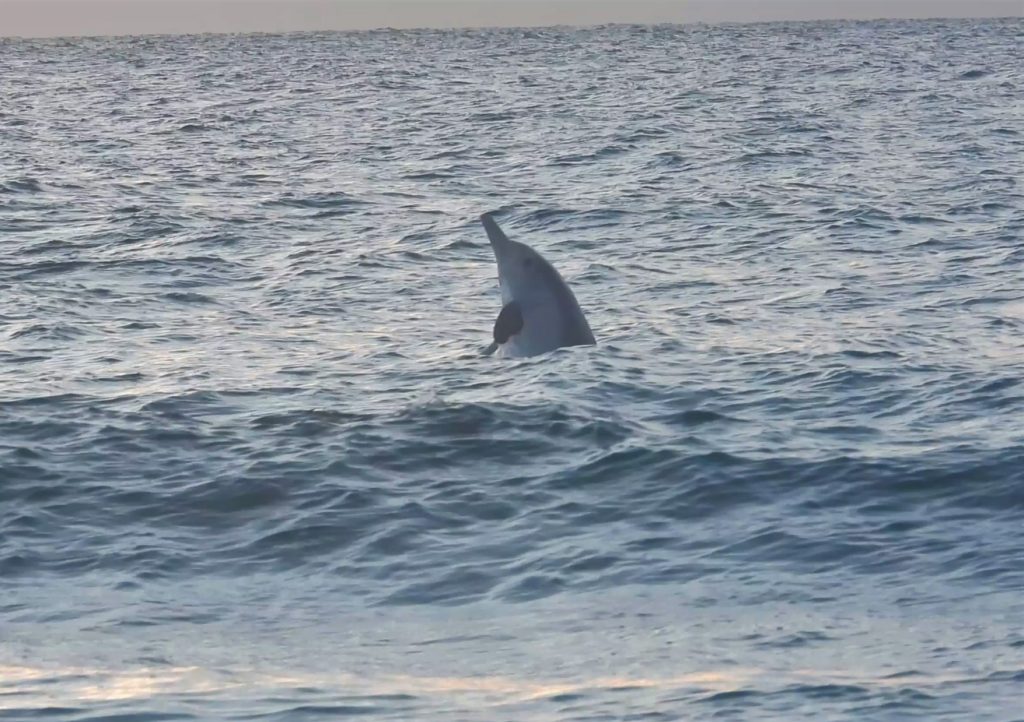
508	323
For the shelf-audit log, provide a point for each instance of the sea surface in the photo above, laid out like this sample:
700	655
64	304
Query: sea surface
253	465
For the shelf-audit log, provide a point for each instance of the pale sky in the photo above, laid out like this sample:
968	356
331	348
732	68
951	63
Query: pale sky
121	17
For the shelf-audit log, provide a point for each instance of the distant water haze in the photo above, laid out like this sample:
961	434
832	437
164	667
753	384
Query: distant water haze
43	18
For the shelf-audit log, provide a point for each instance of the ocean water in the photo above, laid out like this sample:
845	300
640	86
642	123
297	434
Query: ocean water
253	465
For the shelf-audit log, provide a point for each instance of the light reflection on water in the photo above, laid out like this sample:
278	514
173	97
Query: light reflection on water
30	687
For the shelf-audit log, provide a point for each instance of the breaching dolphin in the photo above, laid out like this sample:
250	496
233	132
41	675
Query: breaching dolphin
540	313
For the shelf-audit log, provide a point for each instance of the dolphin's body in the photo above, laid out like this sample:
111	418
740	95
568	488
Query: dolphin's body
540	313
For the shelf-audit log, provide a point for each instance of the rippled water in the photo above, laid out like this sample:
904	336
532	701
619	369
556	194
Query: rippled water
253	466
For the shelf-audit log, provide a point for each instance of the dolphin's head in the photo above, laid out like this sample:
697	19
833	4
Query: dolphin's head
522	272
539	311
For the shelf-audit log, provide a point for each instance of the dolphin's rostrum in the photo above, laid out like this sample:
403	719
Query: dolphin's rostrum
540	313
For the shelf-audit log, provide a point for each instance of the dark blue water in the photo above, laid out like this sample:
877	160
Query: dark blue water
253	466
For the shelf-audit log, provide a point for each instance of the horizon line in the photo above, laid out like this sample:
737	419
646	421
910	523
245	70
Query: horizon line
157	18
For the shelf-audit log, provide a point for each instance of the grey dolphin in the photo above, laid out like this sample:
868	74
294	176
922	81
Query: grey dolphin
540	313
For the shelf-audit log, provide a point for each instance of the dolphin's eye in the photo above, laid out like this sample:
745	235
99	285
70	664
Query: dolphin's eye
528	262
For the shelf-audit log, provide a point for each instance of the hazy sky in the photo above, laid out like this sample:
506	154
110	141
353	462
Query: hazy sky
104	17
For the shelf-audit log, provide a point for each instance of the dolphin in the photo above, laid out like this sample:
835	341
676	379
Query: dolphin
540	313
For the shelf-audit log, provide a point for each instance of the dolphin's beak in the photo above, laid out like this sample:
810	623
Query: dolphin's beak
495	235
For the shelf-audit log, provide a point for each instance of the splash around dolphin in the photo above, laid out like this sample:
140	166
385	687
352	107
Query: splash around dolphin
540	313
